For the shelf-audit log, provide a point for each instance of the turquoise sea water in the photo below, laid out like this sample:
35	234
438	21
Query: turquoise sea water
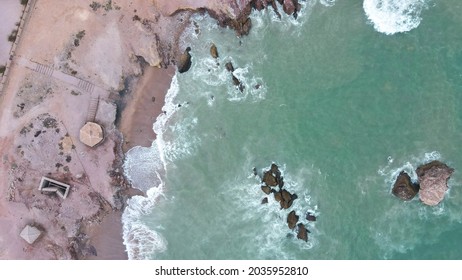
348	95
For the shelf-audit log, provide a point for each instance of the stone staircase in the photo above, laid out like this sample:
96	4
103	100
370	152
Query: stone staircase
43	69
92	108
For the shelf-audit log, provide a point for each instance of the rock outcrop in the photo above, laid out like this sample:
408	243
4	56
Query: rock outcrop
433	178
404	188
272	179
184	63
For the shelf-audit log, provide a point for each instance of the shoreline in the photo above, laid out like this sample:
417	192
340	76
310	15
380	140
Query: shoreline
48	97
142	105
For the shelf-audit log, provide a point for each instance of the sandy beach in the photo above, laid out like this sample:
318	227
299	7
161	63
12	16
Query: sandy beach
143	105
56	83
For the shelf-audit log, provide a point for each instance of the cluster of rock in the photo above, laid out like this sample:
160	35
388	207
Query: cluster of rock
271	180
432	183
242	23
290	7
184	63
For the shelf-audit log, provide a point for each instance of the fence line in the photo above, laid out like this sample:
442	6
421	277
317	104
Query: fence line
24	18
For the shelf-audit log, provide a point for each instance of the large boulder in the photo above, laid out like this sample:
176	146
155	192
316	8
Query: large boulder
292	219
433	178
285	198
404	188
184	63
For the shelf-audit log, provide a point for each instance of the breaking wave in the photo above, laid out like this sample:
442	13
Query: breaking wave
394	16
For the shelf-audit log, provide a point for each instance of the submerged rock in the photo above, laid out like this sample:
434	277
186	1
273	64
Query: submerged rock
433	178
404	188
264	200
229	66
310	217
292	219
184	62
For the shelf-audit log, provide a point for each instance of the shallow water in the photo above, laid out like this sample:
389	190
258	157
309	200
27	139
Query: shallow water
341	101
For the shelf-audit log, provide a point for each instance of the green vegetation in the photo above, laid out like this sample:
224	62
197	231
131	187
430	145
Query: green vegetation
24	2
2	69
95	6
78	37
12	36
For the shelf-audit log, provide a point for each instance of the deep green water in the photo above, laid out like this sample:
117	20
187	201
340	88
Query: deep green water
342	108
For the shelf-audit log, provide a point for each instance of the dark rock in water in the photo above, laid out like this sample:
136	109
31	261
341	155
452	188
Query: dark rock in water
292	219
286	195
275	170
310	217
214	51
229	66
288	7
433	179
278	196
255	171
184	62
404	188
302	232
286	199
258	5
264	200
269	179
266	189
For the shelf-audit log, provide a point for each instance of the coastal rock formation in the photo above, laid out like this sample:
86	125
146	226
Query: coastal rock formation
214	51
184	63
302	232
310	217
404	188
271	179
292	219
433	178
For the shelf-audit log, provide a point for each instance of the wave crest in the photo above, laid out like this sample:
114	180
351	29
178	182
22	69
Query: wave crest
394	16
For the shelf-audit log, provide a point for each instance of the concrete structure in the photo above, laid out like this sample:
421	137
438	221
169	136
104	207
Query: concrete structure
52	186
30	234
91	134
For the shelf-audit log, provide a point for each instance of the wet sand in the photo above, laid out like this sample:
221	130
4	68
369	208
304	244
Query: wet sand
144	104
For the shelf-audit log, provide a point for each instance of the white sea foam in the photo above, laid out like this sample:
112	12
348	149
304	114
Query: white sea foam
394	16
327	3
145	167
141	241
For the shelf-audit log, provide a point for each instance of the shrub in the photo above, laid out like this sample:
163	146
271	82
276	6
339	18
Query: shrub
12	36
